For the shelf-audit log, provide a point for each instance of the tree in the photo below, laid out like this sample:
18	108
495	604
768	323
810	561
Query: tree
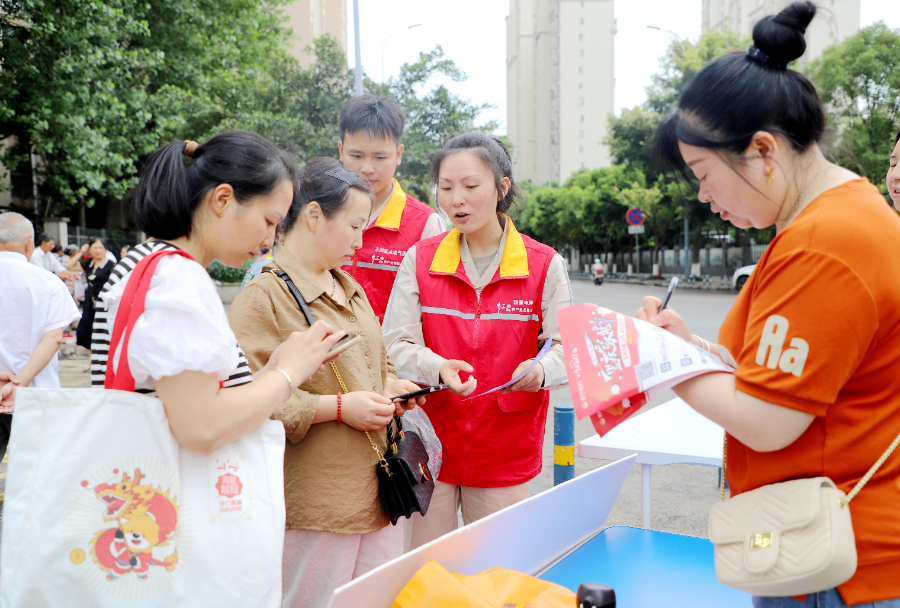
93	86
432	116
71	91
859	80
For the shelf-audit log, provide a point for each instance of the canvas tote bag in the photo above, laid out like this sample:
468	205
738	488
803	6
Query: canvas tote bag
104	508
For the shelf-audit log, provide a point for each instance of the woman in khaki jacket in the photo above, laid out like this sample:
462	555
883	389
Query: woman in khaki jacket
337	528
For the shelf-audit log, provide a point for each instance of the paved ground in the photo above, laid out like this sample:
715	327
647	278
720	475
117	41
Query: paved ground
682	494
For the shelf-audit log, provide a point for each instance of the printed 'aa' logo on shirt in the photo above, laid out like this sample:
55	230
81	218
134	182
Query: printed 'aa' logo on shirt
771	351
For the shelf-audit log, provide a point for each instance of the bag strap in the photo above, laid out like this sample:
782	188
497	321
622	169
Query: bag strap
130	309
301	302
844	501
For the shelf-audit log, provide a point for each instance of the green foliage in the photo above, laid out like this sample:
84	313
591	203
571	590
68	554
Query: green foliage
225	274
860	83
93	86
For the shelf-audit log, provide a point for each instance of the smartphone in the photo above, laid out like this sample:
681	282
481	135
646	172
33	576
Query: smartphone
342	345
421	393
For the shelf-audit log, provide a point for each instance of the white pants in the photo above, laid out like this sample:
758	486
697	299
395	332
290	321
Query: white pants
475	503
316	563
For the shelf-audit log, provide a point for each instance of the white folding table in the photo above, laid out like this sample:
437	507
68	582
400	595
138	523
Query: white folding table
670	433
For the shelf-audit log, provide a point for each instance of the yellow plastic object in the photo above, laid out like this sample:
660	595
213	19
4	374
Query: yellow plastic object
434	587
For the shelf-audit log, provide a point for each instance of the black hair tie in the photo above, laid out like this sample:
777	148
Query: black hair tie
757	55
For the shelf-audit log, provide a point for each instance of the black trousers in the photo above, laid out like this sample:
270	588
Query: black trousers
5	428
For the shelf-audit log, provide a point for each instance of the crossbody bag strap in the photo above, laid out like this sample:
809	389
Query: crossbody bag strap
131	308
301	302
859	485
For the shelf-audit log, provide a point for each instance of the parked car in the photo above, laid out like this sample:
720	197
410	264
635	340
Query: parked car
597	270
741	275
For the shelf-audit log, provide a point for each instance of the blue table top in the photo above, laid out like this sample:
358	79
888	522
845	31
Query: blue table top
648	568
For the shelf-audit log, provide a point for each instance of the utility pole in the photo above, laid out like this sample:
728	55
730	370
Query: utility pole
357	72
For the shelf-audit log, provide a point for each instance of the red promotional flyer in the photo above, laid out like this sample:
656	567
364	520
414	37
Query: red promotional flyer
615	363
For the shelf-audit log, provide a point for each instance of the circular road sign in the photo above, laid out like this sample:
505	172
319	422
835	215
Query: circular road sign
635	217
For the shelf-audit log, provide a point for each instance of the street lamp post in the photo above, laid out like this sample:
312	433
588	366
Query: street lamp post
357	72
687	260
549	159
385	44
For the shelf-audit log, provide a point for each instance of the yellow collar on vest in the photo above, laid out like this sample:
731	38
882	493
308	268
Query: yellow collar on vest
514	262
393	211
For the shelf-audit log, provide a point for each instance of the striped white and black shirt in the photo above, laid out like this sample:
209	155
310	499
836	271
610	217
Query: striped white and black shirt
103	325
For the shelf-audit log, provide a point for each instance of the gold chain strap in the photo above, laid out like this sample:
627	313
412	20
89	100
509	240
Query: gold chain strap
381	459
722	483
844	501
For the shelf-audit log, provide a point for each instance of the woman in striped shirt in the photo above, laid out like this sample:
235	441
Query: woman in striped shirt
222	205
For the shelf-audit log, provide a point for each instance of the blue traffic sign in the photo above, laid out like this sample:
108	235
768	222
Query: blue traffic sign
635	217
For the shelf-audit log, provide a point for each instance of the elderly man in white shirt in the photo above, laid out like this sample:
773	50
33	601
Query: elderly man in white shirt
35	308
43	258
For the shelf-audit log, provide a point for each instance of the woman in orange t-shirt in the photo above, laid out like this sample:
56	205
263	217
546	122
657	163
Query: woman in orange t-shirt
815	333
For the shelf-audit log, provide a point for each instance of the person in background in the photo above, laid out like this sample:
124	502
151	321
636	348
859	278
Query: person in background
815	332
124	251
893	174
44	258
337	527
472	308
97	269
34	311
371	128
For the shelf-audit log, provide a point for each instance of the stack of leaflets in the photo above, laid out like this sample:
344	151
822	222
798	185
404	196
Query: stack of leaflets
616	363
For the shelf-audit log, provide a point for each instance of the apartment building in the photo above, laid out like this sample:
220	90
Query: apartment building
559	86
835	20
313	18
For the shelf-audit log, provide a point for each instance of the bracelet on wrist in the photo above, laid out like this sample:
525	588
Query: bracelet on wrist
339	408
288	378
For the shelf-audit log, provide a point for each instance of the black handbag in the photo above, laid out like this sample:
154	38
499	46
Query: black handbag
403	478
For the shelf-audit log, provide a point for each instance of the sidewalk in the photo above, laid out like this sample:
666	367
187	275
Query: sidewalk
706	283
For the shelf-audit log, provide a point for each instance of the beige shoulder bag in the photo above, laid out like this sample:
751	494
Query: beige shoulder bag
788	538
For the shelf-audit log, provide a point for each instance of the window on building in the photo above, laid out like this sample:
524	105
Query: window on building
581	149
581	69
582	118
581	134
581	21
580	85
581	36
581	101
581	165
581	53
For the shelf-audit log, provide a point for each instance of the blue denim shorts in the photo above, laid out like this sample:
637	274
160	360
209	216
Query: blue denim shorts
823	599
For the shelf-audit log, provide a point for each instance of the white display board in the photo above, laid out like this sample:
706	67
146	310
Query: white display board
527	536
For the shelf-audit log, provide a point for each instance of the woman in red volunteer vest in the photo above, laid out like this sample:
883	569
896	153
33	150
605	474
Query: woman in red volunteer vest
472	308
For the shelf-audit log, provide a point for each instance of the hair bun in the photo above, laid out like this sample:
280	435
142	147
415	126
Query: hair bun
781	36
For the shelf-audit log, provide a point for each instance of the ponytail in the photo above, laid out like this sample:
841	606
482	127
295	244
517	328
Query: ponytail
178	175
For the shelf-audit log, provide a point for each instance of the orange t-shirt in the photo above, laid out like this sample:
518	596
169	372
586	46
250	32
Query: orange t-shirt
816	328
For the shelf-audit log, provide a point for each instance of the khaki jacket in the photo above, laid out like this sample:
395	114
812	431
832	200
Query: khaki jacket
330	483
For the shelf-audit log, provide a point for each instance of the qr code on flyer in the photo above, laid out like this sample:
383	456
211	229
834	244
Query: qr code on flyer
645	371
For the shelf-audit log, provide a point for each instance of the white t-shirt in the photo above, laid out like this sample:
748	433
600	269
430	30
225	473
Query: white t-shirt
32	302
183	327
46	260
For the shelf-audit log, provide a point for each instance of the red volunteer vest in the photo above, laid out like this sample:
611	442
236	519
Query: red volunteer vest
385	243
494	440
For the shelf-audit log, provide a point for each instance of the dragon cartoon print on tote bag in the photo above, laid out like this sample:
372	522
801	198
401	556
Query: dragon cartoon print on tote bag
129	536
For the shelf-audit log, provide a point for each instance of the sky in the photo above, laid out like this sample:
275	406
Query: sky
473	34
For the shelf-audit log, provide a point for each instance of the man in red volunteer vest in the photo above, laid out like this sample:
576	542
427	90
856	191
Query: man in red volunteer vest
473	308
371	128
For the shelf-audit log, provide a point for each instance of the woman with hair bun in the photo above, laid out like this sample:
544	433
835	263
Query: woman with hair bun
815	333
472	308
